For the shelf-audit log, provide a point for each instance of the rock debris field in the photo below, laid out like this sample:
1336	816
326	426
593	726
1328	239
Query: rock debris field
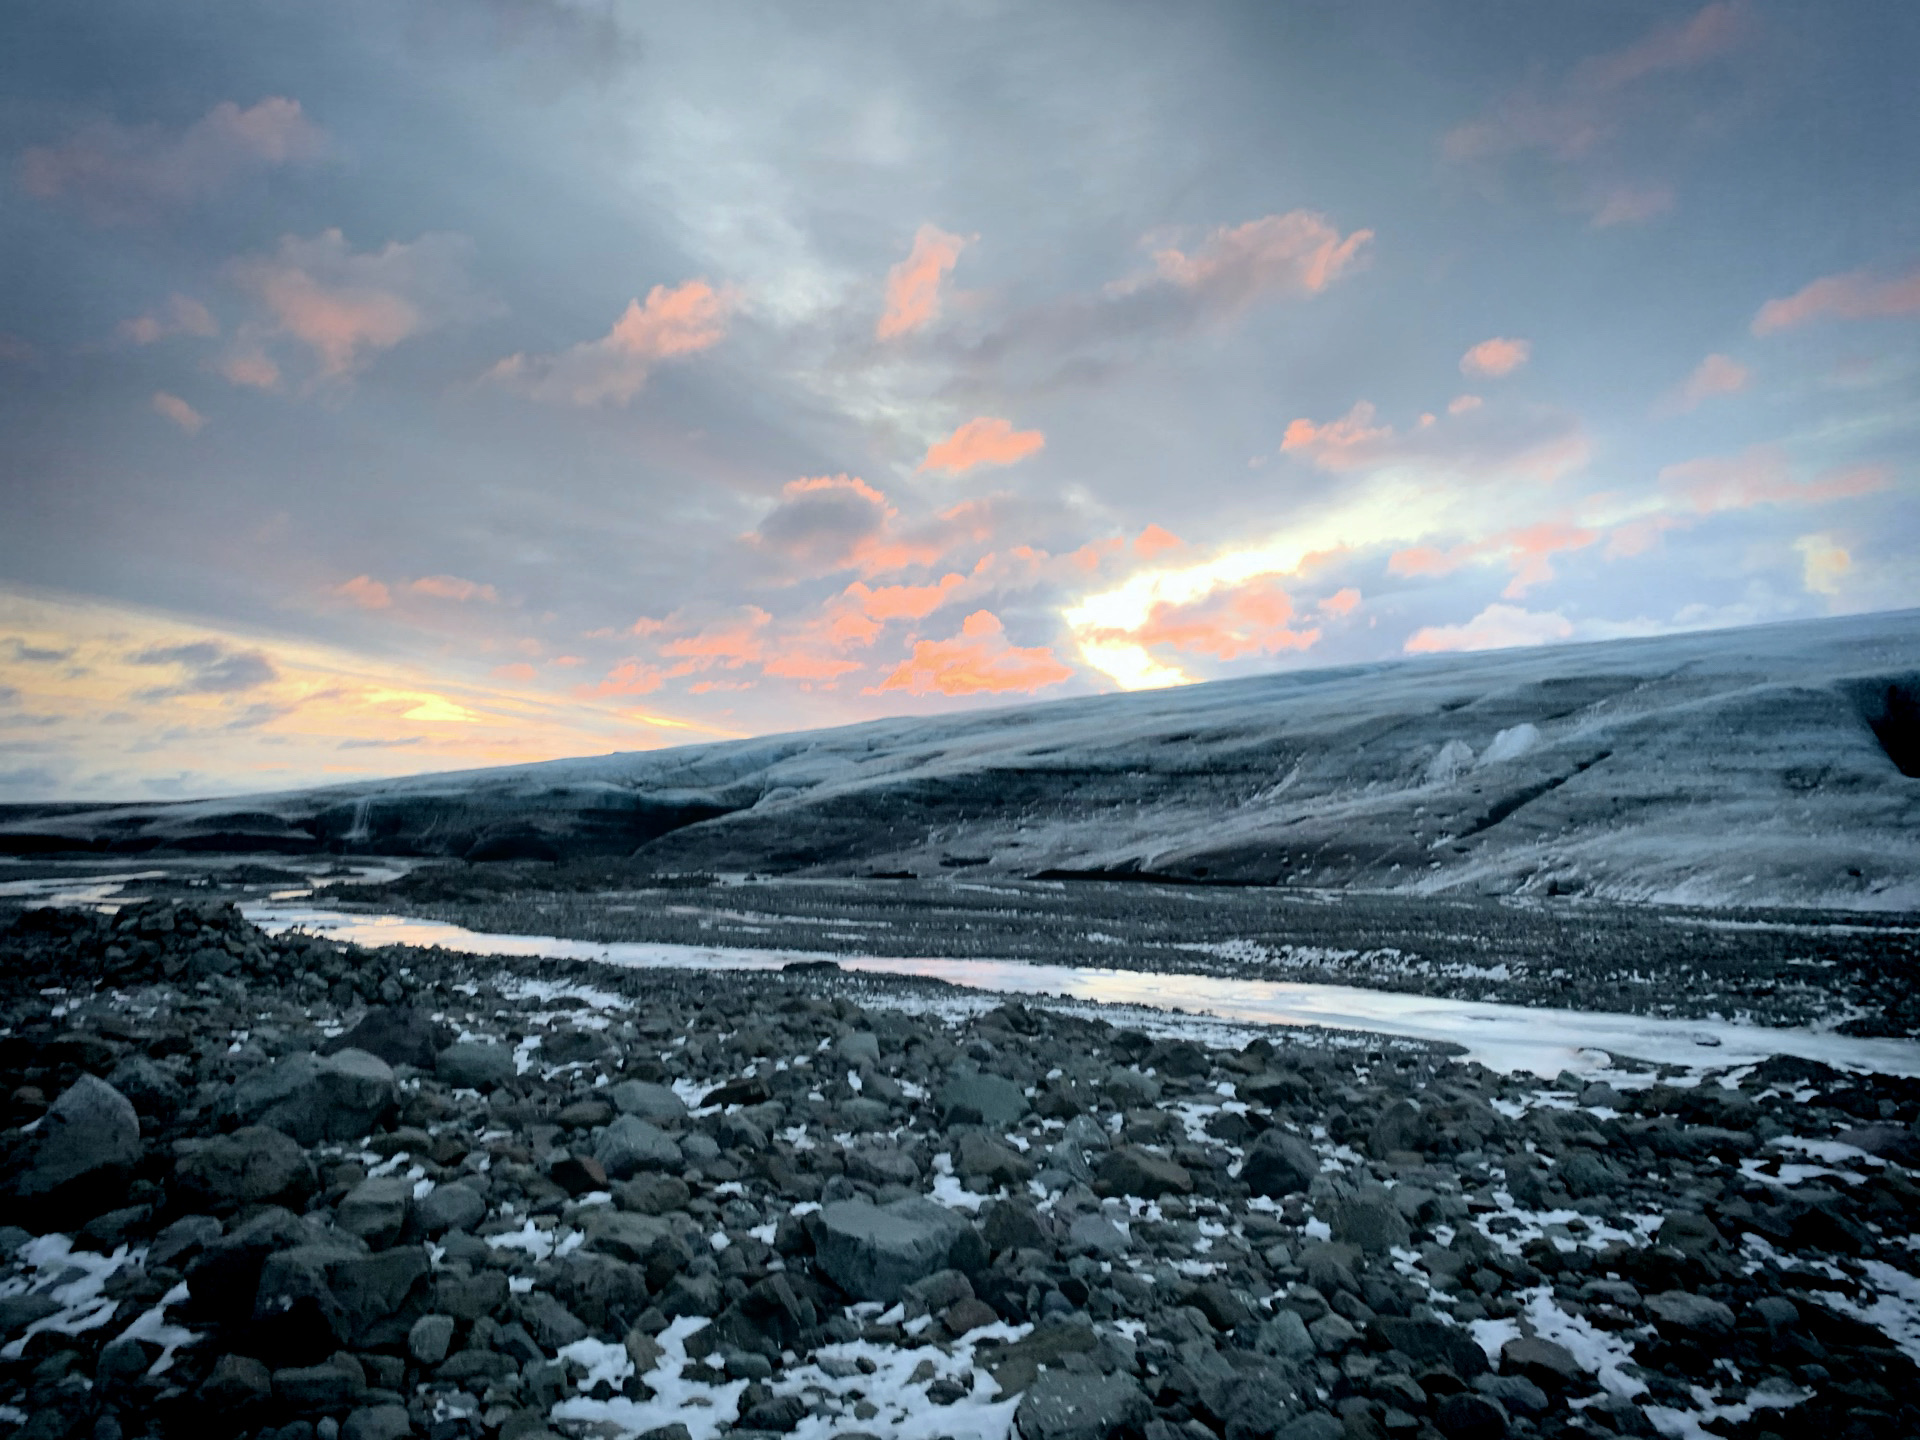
279	1187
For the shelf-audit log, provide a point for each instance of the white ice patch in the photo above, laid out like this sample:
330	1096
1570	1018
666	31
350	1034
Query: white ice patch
152	1327
1600	1354
529	1237
1895	1310
71	1279
905	1412
705	1409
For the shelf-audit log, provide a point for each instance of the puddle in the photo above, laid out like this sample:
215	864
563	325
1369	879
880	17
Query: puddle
1509	1038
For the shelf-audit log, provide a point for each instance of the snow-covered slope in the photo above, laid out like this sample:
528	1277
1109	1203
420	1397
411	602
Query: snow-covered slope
1779	764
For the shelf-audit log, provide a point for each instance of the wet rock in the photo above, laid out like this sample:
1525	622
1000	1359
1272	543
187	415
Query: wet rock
86	1144
1061	1405
874	1252
630	1145
1279	1164
402	1036
475	1065
252	1166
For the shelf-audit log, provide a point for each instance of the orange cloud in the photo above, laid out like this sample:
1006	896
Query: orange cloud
903	602
1339	444
1496	357
792	665
519	670
119	174
1299	251
672	323
173	408
366	592
731	642
1715	375
452	587
1341	602
913	286
1153	541
983	441
978	660
1761	476
1250	619
1530	551
1855	295
630	677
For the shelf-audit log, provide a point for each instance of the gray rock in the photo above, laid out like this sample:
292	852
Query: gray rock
376	1210
1318	1425
468	1297
1086	1133
235	1382
547	1320
152	1090
1131	1170
430	1338
1467	1416
1690	1314
331	1386
1279	1164
448	1207
399	1036
340	1097
182	1240
1427	1341
1284	1337
632	1237
648	1101
19	1311
862	1114
1541	1360
1061	1405
875	1252
860	1047
377	1422
630	1145
349	1290
1375	1226
882	1165
252	1166
973	1098
978	1154
1099	1235
475	1065
89	1139
1401	1126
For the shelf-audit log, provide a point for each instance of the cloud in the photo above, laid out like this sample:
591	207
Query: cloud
251	368
182	315
366	592
1298	253
903	602
210	667
1473	441
36	654
1154	541
1496	357
980	659
1824	564
1341	603
1761	475
1227	624
1582	121
120	174
173	408
1529	549
1715	375
672	323
913	286
452	587
982	441
1856	295
1498	627
1461	404
342	305
822	523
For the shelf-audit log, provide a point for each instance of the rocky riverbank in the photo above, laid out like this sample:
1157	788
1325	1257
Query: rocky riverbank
276	1186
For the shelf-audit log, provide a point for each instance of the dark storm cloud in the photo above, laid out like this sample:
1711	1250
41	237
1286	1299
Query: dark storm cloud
210	668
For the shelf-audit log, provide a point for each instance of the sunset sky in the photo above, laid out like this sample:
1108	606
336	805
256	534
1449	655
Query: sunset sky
400	386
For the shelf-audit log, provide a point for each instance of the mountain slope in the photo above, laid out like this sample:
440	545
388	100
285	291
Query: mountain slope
1777	763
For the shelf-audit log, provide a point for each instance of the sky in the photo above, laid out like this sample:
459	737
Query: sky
427	384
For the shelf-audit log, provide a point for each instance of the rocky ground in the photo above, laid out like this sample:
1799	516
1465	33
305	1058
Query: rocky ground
277	1187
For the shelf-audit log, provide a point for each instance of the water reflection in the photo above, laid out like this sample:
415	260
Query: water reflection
1505	1037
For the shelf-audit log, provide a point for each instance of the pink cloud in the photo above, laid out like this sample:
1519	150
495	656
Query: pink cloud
119	174
980	659
1761	476
1496	357
1249	619
630	677
1715	375
982	441
1461	404
519	670
903	602
1529	549
1341	603
1154	541
1532	442
731	641
173	408
671	324
1339	444
1498	627
366	592
1630	205
343	305
182	315
452	587
251	368
1299	252
1856	295
913	286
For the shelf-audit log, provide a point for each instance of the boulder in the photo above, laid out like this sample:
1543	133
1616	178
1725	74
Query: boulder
1097	1235
1401	1126
475	1065
448	1207
1691	1315
87	1144
974	1098
1062	1405
874	1252
630	1145
998	1164
339	1097
345	1289
376	1210
1541	1361
648	1101
429	1338
252	1166
399	1036
1131	1170
152	1090
1279	1164
378	1422
1376	1225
